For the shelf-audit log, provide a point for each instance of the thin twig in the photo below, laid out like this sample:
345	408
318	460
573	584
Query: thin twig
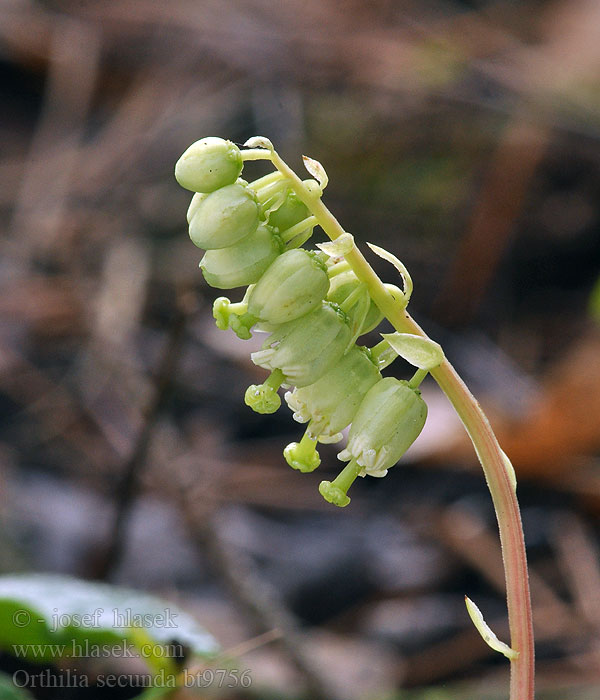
131	470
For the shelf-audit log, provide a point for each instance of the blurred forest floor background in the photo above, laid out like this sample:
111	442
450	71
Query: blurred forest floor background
462	136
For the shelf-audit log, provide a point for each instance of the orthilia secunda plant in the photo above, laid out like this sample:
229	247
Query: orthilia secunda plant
314	305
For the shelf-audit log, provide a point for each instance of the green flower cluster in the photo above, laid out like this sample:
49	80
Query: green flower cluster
313	308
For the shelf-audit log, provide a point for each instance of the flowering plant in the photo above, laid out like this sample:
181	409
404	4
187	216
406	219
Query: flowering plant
315	305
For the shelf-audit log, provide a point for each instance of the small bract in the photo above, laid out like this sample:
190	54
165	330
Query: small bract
225	217
209	164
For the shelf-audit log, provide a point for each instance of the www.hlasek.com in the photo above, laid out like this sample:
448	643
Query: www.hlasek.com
87	650
71	678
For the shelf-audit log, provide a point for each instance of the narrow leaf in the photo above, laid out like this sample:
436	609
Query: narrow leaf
484	630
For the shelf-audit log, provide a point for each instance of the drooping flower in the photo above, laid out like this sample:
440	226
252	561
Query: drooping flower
299	352
307	347
293	285
389	419
329	405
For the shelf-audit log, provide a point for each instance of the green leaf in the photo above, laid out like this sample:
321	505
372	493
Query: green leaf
49	617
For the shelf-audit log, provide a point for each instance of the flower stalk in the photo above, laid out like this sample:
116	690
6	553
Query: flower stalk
315	305
491	457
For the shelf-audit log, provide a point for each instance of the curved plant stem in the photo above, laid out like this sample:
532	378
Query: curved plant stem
484	441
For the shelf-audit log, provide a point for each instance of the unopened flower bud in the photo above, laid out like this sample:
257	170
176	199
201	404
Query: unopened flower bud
224	217
197	199
294	284
330	404
307	347
209	164
243	263
201	196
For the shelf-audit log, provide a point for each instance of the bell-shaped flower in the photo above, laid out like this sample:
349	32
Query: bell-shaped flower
293	285
329	404
224	217
389	419
208	165
306	348
243	263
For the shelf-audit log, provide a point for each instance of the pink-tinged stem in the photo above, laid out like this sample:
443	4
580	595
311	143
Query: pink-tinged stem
484	441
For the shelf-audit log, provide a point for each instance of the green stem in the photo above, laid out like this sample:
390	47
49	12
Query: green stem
347	476
307	443
417	378
256	154
275	379
484	441
269	192
290	233
338	268
352	298
265	180
383	354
